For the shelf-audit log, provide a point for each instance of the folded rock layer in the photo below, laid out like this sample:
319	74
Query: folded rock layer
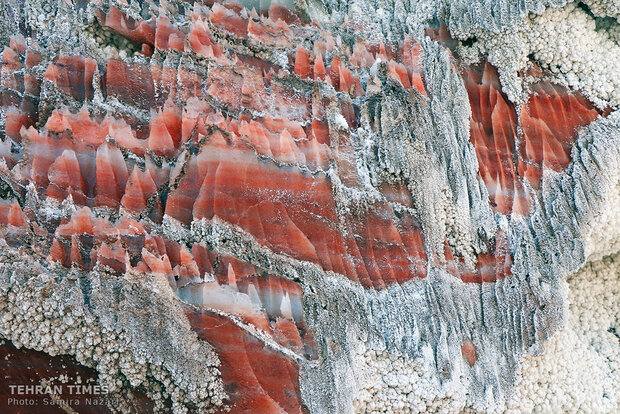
243	195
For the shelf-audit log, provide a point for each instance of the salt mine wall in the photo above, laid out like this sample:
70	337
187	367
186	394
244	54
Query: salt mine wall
309	206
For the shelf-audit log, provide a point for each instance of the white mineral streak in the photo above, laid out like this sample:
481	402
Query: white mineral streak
579	372
603	238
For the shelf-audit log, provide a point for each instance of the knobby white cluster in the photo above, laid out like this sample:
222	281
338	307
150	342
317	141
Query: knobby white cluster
580	369
609	8
43	314
389	383
565	41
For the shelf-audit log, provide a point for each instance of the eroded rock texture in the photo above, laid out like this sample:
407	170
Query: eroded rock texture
229	205
549	122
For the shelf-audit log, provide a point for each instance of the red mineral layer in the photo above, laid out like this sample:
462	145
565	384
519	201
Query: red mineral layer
229	20
73	75
510	162
138	31
549	120
294	213
224	180
19	85
283	207
256	378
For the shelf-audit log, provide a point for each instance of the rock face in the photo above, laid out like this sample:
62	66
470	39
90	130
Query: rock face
549	122
230	205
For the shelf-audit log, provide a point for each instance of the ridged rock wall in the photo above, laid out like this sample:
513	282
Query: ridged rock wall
299	206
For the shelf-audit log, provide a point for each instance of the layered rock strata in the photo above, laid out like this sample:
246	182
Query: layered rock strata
230	205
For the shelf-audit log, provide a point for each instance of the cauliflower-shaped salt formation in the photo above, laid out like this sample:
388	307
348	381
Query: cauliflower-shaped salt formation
565	41
580	369
604	8
389	383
